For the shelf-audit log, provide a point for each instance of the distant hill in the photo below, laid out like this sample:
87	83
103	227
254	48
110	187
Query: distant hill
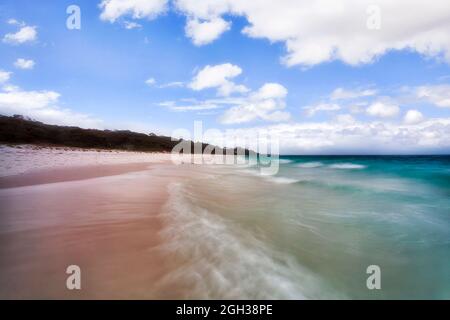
20	130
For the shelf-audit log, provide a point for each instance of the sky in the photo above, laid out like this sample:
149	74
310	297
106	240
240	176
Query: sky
321	77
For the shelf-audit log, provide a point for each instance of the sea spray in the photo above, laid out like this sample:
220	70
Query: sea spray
238	233
220	260
347	166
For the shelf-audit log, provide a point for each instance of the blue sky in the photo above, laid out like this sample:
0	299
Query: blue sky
319	95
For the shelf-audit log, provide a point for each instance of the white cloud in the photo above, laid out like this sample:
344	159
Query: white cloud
42	106
319	31
383	109
10	88
132	25
357	137
229	87
150	82
218	76
137	9
345	119
344	94
357	107
312	110
438	95
17	98
15	22
413	117
174	84
25	34
201	106
271	91
4	76
24	64
204	32
265	104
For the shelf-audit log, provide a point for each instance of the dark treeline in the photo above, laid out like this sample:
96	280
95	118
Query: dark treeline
19	130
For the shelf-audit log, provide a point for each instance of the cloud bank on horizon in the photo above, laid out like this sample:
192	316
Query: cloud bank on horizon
407	117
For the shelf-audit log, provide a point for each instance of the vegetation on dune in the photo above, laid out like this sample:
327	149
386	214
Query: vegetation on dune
20	130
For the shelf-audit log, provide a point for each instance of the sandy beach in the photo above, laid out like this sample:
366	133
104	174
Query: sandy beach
140	226
134	227
53	217
104	211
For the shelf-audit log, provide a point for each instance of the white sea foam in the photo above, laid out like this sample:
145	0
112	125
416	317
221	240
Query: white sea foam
221	260
284	161
310	165
281	180
271	178
347	166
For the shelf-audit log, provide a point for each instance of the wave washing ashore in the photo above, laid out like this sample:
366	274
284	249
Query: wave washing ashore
218	231
312	230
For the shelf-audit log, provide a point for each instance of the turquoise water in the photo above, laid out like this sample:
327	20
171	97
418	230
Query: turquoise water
312	230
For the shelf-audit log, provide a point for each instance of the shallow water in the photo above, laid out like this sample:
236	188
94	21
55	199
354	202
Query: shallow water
230	232
312	230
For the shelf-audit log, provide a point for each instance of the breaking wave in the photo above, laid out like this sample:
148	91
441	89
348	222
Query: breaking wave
221	260
310	165
347	166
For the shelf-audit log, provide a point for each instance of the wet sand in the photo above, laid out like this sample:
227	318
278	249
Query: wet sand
44	176
107	222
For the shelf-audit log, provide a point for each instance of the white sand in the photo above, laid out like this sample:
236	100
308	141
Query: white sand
26	158
29	158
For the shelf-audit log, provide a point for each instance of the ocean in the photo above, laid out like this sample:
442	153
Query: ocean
312	230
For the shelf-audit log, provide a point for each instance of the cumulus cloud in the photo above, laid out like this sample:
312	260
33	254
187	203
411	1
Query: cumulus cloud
382	109
312	110
129	25
218	76
344	94
204	32
438	95
25	34
266	104
24	64
150	82
312	32
4	76
137	9
413	117
42	106
316	32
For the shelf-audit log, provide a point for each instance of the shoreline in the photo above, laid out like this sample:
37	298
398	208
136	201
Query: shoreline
98	210
103	213
112	235
187	231
66	174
